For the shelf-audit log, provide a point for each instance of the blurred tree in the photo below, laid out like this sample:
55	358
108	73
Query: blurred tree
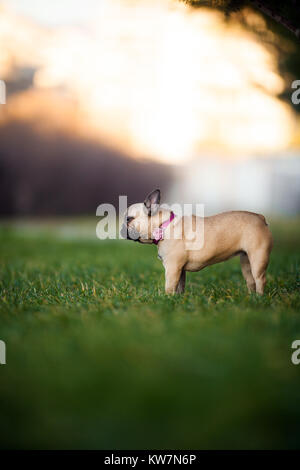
286	13
282	31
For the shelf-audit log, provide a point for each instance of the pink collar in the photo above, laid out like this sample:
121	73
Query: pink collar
158	233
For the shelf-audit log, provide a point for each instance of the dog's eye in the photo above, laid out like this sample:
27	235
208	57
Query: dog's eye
129	219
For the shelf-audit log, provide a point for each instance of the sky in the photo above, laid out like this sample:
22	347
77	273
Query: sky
57	12
151	78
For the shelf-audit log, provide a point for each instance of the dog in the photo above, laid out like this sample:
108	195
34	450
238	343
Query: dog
221	237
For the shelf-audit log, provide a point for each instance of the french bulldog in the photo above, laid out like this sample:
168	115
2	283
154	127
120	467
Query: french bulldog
190	243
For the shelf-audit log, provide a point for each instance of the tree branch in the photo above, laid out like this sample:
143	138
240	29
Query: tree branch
276	17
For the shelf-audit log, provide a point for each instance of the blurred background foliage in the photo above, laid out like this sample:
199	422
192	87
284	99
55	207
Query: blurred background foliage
121	97
283	22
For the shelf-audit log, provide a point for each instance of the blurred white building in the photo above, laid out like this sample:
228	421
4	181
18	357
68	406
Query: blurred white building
269	185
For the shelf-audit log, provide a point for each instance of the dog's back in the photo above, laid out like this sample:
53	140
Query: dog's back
228	234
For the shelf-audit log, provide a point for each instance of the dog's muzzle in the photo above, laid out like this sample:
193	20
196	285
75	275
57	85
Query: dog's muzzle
130	233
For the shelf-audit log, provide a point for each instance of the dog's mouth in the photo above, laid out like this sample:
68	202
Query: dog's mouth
130	233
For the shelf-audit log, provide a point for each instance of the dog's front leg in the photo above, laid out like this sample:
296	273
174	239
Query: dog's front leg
172	274
181	283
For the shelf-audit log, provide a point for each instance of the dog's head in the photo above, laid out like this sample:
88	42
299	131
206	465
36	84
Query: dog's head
142	218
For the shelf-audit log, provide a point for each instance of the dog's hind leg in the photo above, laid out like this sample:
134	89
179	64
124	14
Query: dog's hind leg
259	261
247	273
181	283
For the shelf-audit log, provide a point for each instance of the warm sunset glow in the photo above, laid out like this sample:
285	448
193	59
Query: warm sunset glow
155	79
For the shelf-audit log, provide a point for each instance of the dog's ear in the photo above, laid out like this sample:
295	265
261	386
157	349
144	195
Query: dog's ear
152	202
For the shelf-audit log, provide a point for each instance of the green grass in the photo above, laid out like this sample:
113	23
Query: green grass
99	357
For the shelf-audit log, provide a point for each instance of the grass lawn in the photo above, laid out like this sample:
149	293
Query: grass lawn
99	357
